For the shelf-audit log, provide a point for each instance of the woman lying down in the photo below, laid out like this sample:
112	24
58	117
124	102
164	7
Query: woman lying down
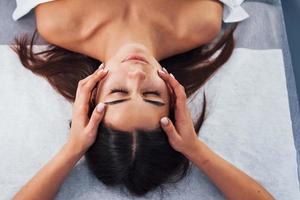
130	118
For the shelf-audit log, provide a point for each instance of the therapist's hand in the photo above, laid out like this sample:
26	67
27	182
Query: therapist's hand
83	130
181	135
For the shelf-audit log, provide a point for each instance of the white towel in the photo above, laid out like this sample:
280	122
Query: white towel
233	11
247	123
25	6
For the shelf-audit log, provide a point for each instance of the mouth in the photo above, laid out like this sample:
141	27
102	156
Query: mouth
136	58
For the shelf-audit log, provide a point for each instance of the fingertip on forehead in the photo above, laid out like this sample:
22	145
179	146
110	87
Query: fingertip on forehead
102	65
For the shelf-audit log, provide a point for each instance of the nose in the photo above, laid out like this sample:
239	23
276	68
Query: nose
137	74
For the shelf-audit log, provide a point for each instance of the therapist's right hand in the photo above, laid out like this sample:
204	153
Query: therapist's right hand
181	135
83	130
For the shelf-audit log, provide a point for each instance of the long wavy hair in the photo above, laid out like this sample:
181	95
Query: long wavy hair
141	160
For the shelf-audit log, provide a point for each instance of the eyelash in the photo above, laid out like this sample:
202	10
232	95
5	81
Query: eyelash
124	90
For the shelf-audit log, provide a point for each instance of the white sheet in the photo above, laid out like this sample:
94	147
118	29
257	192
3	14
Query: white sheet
248	123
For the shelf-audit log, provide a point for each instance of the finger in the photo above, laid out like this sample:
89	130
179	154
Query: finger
168	85
169	129
176	86
84	89
90	84
83	95
101	66
96	117
178	89
83	81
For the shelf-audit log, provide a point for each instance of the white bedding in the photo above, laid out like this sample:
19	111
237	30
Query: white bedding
247	122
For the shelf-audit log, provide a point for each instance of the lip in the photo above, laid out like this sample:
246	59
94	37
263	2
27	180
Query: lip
137	58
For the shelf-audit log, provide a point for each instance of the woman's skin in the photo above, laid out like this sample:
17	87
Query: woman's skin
110	31
123	31
130	87
99	28
232	182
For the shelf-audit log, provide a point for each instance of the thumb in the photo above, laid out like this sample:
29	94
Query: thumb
97	116
169	128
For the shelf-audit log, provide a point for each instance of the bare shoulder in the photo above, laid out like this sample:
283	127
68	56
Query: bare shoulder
54	19
204	17
212	13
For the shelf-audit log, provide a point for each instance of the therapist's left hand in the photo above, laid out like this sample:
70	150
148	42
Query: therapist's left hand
181	135
83	130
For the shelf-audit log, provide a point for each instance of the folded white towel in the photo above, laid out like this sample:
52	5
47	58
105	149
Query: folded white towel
25	6
233	11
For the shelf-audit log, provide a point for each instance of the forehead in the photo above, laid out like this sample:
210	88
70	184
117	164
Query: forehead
134	114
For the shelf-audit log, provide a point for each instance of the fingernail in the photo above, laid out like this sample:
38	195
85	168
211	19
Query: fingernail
172	75
101	66
99	72
100	107
164	69
161	71
105	70
164	121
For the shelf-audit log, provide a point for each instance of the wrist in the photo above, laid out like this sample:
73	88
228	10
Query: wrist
194	151
73	150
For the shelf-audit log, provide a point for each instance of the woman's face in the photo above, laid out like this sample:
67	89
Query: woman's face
136	97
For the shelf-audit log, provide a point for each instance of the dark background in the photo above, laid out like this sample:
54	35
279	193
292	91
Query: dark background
291	11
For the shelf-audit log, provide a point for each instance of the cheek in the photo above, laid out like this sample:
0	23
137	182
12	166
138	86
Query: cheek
102	90
164	88
107	84
99	95
114	62
155	63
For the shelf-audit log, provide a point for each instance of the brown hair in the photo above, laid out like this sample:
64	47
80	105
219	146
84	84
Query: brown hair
64	68
111	158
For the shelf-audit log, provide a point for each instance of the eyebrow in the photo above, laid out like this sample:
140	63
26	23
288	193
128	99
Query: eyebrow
156	103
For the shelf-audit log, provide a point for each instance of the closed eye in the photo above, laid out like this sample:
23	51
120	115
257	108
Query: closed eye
155	92
118	101
119	90
125	91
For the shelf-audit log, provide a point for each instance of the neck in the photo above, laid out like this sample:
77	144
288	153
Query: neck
115	42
